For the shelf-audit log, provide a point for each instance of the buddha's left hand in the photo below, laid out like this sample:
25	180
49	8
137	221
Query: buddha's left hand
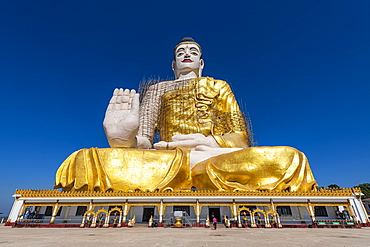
188	141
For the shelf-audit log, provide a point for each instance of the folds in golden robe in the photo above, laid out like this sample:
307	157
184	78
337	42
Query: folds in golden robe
121	169
203	105
261	168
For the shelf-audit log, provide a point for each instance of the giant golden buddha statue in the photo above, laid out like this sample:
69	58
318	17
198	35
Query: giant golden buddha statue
203	141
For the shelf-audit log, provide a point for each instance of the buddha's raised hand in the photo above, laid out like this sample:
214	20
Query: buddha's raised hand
121	121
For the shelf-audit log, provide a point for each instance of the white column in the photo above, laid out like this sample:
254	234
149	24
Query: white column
239	222
353	210
83	221
55	211
15	211
161	212
235	212
278	221
197	212
359	209
93	224
125	212
267	221
106	222
120	220
253	220
311	211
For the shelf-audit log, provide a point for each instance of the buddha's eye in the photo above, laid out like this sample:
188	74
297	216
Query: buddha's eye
194	54
180	54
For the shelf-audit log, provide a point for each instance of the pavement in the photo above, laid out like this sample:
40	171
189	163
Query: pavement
194	237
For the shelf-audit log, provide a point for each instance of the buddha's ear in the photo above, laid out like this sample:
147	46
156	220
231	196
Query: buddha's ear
174	69
201	63
173	65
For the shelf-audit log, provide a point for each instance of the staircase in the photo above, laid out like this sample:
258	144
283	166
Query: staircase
187	222
185	219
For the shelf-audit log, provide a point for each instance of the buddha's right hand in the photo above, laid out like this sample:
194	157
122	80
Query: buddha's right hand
121	122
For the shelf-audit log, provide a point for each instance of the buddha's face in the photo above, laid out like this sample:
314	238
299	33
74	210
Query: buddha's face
187	59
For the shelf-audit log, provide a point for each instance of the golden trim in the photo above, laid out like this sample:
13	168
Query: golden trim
115	209
258	210
348	192
90	212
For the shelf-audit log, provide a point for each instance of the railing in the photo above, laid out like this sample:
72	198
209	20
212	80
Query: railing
294	220
46	220
168	222
335	224
187	219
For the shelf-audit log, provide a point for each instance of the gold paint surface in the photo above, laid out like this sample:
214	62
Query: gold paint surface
261	168
205	106
121	169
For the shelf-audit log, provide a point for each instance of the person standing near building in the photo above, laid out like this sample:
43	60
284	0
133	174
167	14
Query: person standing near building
214	220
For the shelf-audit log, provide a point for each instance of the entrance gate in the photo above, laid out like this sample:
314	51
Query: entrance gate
214	212
147	213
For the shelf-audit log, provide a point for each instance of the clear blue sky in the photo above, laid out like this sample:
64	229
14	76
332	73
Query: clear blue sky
300	68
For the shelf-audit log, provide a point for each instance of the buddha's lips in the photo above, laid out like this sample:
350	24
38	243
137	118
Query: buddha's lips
187	60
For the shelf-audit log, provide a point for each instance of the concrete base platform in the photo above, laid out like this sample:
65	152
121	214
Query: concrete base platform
140	236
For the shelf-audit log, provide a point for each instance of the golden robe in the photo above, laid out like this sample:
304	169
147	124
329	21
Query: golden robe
203	105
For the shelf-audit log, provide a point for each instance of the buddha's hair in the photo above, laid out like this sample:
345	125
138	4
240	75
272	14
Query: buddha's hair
189	40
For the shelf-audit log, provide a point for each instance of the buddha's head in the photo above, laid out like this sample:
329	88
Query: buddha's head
188	62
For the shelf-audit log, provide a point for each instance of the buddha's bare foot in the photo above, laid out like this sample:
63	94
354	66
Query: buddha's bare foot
121	121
